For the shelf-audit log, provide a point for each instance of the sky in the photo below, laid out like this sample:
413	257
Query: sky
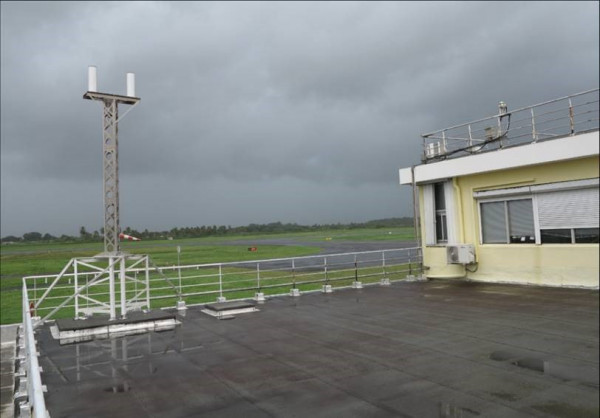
258	112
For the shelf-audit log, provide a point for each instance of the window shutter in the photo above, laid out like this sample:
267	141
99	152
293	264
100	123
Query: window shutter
429	214
451	218
493	223
568	209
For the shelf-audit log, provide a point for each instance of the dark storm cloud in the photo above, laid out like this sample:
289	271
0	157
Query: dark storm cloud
264	102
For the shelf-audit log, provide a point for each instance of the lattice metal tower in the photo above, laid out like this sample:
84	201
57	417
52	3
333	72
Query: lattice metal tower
110	154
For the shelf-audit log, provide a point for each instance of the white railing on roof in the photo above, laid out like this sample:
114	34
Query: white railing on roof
565	116
34	405
55	296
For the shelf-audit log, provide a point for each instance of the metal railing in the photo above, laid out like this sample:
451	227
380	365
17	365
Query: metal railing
28	374
565	116
55	296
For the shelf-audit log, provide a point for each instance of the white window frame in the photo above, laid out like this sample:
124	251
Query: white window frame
506	223
531	192
430	213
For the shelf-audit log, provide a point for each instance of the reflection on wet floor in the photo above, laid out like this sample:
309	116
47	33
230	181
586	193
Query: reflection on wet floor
586	374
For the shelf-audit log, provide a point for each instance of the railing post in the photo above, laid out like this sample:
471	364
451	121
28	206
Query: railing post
443	148
385	281
111	288
294	291
123	287
260	296
76	282
220	298
356	284
470	136
533	131
147	273
571	117
326	287
258	276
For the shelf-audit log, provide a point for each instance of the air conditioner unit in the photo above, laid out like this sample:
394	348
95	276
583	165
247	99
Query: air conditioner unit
433	149
460	254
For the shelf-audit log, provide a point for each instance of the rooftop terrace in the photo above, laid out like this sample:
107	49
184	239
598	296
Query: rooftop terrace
565	116
412	349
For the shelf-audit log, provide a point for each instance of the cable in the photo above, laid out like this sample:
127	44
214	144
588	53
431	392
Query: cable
479	146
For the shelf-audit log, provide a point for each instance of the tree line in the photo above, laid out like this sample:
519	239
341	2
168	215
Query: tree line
207	231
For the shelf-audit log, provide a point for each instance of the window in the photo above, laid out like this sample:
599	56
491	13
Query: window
441	224
570	236
508	221
554	213
439	213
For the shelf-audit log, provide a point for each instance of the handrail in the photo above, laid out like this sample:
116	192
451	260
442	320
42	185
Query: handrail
35	391
561	117
94	295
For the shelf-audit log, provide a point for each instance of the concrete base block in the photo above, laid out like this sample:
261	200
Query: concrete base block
181	305
295	292
327	288
357	285
221	299
385	281
259	297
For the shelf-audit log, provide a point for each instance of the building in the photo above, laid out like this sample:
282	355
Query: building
513	198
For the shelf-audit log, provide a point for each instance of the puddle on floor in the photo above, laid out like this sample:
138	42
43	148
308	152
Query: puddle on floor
447	410
559	409
511	397
583	374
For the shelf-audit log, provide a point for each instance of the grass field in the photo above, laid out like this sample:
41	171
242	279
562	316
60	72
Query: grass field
19	260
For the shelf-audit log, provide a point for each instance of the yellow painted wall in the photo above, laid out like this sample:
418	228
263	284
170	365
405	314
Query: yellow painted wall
554	265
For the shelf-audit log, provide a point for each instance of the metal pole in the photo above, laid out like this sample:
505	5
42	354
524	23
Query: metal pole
533	132
147	282
111	288
355	269
325	267
220	281
258	276
383	262
123	288
76	281
571	117
293	275
179	269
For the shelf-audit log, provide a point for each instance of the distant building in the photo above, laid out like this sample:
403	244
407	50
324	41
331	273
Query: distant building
514	197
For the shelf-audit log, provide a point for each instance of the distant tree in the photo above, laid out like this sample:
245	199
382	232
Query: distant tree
11	238
48	237
83	234
32	236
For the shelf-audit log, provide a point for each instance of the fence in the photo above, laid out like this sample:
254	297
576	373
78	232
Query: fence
30	394
83	290
561	117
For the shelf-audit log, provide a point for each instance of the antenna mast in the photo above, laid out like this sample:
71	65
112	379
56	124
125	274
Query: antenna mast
110	154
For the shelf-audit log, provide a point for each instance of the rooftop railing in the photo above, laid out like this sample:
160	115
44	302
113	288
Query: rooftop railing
565	116
81	289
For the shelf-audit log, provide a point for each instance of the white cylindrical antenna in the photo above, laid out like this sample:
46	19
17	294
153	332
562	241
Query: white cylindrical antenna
92	78
131	84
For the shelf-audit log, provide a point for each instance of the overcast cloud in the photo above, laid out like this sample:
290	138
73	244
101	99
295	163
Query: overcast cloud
261	112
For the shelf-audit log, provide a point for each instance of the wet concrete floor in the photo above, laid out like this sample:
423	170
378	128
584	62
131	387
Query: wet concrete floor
419	349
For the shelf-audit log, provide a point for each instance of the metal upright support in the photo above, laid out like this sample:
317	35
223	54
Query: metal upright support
111	288
123	288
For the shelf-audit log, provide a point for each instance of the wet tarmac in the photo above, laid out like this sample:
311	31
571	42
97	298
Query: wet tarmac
414	349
